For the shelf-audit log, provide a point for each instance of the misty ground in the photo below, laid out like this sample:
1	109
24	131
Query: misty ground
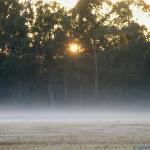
75	135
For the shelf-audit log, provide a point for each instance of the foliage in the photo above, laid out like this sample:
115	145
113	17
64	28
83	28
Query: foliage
34	40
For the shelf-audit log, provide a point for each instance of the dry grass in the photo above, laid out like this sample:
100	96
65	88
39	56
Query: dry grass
75	136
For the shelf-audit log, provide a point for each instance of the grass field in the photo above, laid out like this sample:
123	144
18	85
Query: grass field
75	136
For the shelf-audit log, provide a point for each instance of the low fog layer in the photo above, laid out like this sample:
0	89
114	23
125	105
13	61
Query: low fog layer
42	115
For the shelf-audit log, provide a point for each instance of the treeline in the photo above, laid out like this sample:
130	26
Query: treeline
114	66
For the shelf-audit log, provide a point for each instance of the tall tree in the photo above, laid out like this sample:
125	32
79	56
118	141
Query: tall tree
91	31
13	27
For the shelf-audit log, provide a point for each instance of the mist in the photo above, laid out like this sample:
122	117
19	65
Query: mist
74	114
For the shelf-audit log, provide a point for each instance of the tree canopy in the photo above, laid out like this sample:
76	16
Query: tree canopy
35	62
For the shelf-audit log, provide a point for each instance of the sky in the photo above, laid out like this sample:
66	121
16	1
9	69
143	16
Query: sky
141	17
66	3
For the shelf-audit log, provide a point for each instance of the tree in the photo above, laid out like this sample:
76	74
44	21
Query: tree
91	31
13	29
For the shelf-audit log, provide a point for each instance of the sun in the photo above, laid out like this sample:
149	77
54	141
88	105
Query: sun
74	48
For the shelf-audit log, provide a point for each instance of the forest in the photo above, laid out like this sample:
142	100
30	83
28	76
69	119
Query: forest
111	64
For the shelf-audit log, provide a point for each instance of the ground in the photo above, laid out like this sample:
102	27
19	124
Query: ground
75	136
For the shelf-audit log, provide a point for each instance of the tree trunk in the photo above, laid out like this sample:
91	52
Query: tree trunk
66	85
51	92
80	90
96	74
80	94
19	90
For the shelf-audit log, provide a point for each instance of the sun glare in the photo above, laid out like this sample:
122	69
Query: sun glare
74	48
